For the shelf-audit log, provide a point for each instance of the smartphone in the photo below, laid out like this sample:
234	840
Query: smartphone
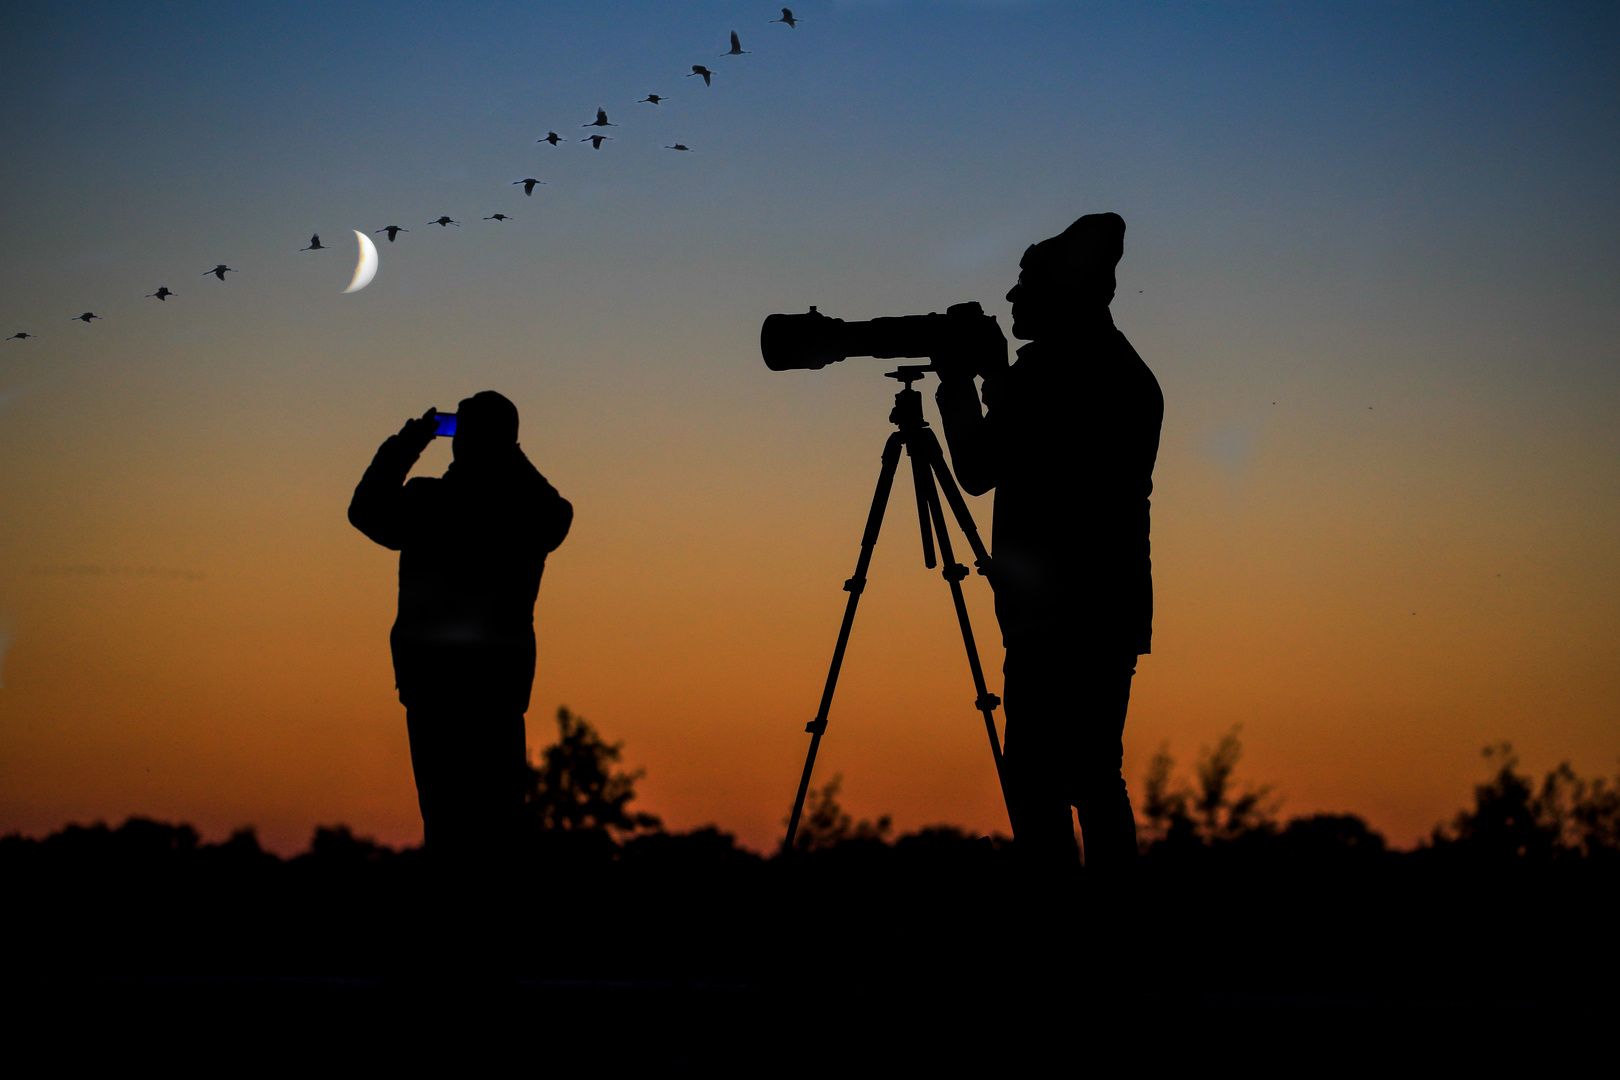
447	423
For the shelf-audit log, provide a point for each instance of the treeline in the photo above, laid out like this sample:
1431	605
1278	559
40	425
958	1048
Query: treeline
578	809
1512	898
1513	818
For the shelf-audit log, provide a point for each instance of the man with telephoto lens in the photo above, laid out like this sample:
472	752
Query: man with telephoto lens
472	545
1068	439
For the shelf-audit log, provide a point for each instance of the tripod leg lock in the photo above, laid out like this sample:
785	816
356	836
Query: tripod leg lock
955	572
816	727
856	585
987	702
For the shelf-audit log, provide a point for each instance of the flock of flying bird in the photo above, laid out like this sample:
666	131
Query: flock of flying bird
529	183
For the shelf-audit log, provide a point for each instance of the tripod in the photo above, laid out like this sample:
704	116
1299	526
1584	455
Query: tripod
927	463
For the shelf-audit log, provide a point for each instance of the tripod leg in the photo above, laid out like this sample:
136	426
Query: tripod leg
947	483
920	479
854	586
954	572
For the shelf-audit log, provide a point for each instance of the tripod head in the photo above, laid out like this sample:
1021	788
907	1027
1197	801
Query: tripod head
909	373
907	414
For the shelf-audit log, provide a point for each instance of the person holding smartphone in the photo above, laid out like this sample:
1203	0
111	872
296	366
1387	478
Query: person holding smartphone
472	547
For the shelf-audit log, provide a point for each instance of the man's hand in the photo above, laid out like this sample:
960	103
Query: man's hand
980	348
418	432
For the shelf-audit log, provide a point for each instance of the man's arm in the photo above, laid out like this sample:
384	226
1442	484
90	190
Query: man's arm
980	349
558	518
967	431
378	506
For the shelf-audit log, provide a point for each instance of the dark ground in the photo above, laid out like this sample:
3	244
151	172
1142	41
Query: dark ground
684	950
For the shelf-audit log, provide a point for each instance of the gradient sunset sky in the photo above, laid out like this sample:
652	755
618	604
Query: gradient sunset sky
1373	257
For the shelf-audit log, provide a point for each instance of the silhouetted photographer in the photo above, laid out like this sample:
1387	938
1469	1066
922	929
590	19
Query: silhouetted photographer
1067	438
473	545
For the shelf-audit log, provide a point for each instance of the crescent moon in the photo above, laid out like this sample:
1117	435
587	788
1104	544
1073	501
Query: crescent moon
366	268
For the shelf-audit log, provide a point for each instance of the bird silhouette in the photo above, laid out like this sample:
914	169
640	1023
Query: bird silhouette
220	271
551	137
654	98
699	69
528	182
736	47
23	335
445	219
86	317
392	231
787	17
679	146
315	244
596	141
498	217
163	293
600	121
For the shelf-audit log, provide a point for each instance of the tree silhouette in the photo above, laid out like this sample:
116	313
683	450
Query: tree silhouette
824	825
337	845
574	786
1213	812
1511	819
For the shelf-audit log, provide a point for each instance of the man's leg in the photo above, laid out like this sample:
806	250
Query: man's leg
426	727
438	944
1107	824
1035	752
1043	931
490	794
469	784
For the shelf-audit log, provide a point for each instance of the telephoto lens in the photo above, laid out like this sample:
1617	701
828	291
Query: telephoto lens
813	340
810	341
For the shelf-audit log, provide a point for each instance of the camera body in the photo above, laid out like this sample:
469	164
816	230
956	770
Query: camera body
813	340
